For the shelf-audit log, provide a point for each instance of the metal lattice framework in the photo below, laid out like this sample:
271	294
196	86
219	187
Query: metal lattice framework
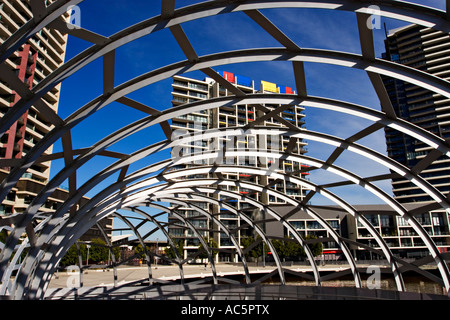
49	236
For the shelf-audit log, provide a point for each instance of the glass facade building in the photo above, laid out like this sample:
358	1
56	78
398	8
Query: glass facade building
427	50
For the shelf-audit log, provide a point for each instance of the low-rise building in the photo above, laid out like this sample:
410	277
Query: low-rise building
399	235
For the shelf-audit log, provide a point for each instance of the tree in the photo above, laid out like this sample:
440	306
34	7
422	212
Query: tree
99	251
3	236
211	244
287	248
257	250
316	248
179	247
71	256
139	251
292	249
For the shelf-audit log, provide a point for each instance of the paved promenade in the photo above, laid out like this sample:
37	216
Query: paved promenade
104	279
125	275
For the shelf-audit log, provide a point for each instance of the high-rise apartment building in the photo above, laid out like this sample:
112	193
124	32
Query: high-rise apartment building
34	61
428	50
190	90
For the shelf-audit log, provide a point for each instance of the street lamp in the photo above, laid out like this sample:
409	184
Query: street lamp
156	253
87	258
264	255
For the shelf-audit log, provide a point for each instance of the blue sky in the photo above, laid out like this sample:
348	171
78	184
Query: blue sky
309	28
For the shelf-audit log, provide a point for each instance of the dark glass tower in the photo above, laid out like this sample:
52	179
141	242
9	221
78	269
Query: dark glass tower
428	50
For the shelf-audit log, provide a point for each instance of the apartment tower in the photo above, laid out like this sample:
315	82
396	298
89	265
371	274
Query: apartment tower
187	90
34	61
427	50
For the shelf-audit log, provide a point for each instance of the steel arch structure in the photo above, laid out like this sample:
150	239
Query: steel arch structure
48	236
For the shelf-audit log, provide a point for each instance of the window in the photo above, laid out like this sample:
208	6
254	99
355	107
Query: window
437	219
198	86
373	219
334	223
176	232
298	224
198	95
313	225
395	57
402	222
386	221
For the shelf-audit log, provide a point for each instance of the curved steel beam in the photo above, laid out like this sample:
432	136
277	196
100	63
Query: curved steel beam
109	203
79	228
323	56
164	231
40	147
130	129
41	277
175	193
260	205
405	11
49	139
193	193
377	66
9	286
181	193
141	242
222	227
372	189
403	126
53	12
195	12
196	232
34	292
440	262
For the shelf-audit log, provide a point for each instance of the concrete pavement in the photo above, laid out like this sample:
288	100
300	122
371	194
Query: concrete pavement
93	278
125	275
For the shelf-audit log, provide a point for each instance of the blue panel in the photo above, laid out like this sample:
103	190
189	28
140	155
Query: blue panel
284	89
243	81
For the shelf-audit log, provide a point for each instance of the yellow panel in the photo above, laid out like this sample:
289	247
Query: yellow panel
268	86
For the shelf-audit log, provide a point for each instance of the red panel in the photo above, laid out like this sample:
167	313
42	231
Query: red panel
16	134
228	76
331	251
